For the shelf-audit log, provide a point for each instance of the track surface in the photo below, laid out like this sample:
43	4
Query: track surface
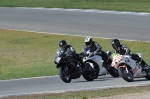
109	25
55	84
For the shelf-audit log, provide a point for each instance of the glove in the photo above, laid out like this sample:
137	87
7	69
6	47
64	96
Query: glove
63	56
95	52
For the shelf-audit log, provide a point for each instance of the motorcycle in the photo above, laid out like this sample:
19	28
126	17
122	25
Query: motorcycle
97	63
70	68
128	68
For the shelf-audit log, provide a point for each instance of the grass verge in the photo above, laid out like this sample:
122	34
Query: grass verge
30	54
119	5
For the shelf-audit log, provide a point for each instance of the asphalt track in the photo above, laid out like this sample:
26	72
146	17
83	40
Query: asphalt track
129	26
107	24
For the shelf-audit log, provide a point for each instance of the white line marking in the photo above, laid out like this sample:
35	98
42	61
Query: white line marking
71	35
30	78
88	10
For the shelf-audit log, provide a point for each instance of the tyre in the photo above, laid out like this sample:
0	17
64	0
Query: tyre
88	74
65	74
93	73
123	73
96	70
114	73
147	77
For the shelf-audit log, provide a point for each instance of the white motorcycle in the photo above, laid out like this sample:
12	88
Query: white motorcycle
97	63
128	68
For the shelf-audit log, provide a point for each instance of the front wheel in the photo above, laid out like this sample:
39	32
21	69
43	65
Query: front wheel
65	74
92	72
125	73
87	74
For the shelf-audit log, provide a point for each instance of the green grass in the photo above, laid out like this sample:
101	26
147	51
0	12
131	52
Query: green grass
119	5
29	54
86	94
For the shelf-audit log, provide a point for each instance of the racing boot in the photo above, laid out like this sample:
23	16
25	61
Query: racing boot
146	67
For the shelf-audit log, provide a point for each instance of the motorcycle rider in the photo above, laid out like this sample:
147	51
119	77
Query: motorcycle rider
124	50
95	48
67	49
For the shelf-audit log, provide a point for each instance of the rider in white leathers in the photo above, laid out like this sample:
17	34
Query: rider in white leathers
95	48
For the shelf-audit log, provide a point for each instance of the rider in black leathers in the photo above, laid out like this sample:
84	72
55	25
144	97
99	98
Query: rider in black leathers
95	48
124	50
67	49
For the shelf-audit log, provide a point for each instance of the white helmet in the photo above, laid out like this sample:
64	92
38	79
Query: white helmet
88	41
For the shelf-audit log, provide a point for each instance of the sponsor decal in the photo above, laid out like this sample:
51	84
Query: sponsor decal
135	70
116	60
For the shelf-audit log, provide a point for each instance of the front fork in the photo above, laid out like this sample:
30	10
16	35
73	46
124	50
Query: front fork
124	67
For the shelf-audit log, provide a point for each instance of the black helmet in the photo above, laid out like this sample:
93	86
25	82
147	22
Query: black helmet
88	41
115	43
62	44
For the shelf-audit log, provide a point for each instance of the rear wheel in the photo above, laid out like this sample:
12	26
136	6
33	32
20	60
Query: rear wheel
65	74
114	72
125	73
148	75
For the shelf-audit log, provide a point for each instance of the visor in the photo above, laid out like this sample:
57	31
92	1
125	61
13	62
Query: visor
115	46
62	47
